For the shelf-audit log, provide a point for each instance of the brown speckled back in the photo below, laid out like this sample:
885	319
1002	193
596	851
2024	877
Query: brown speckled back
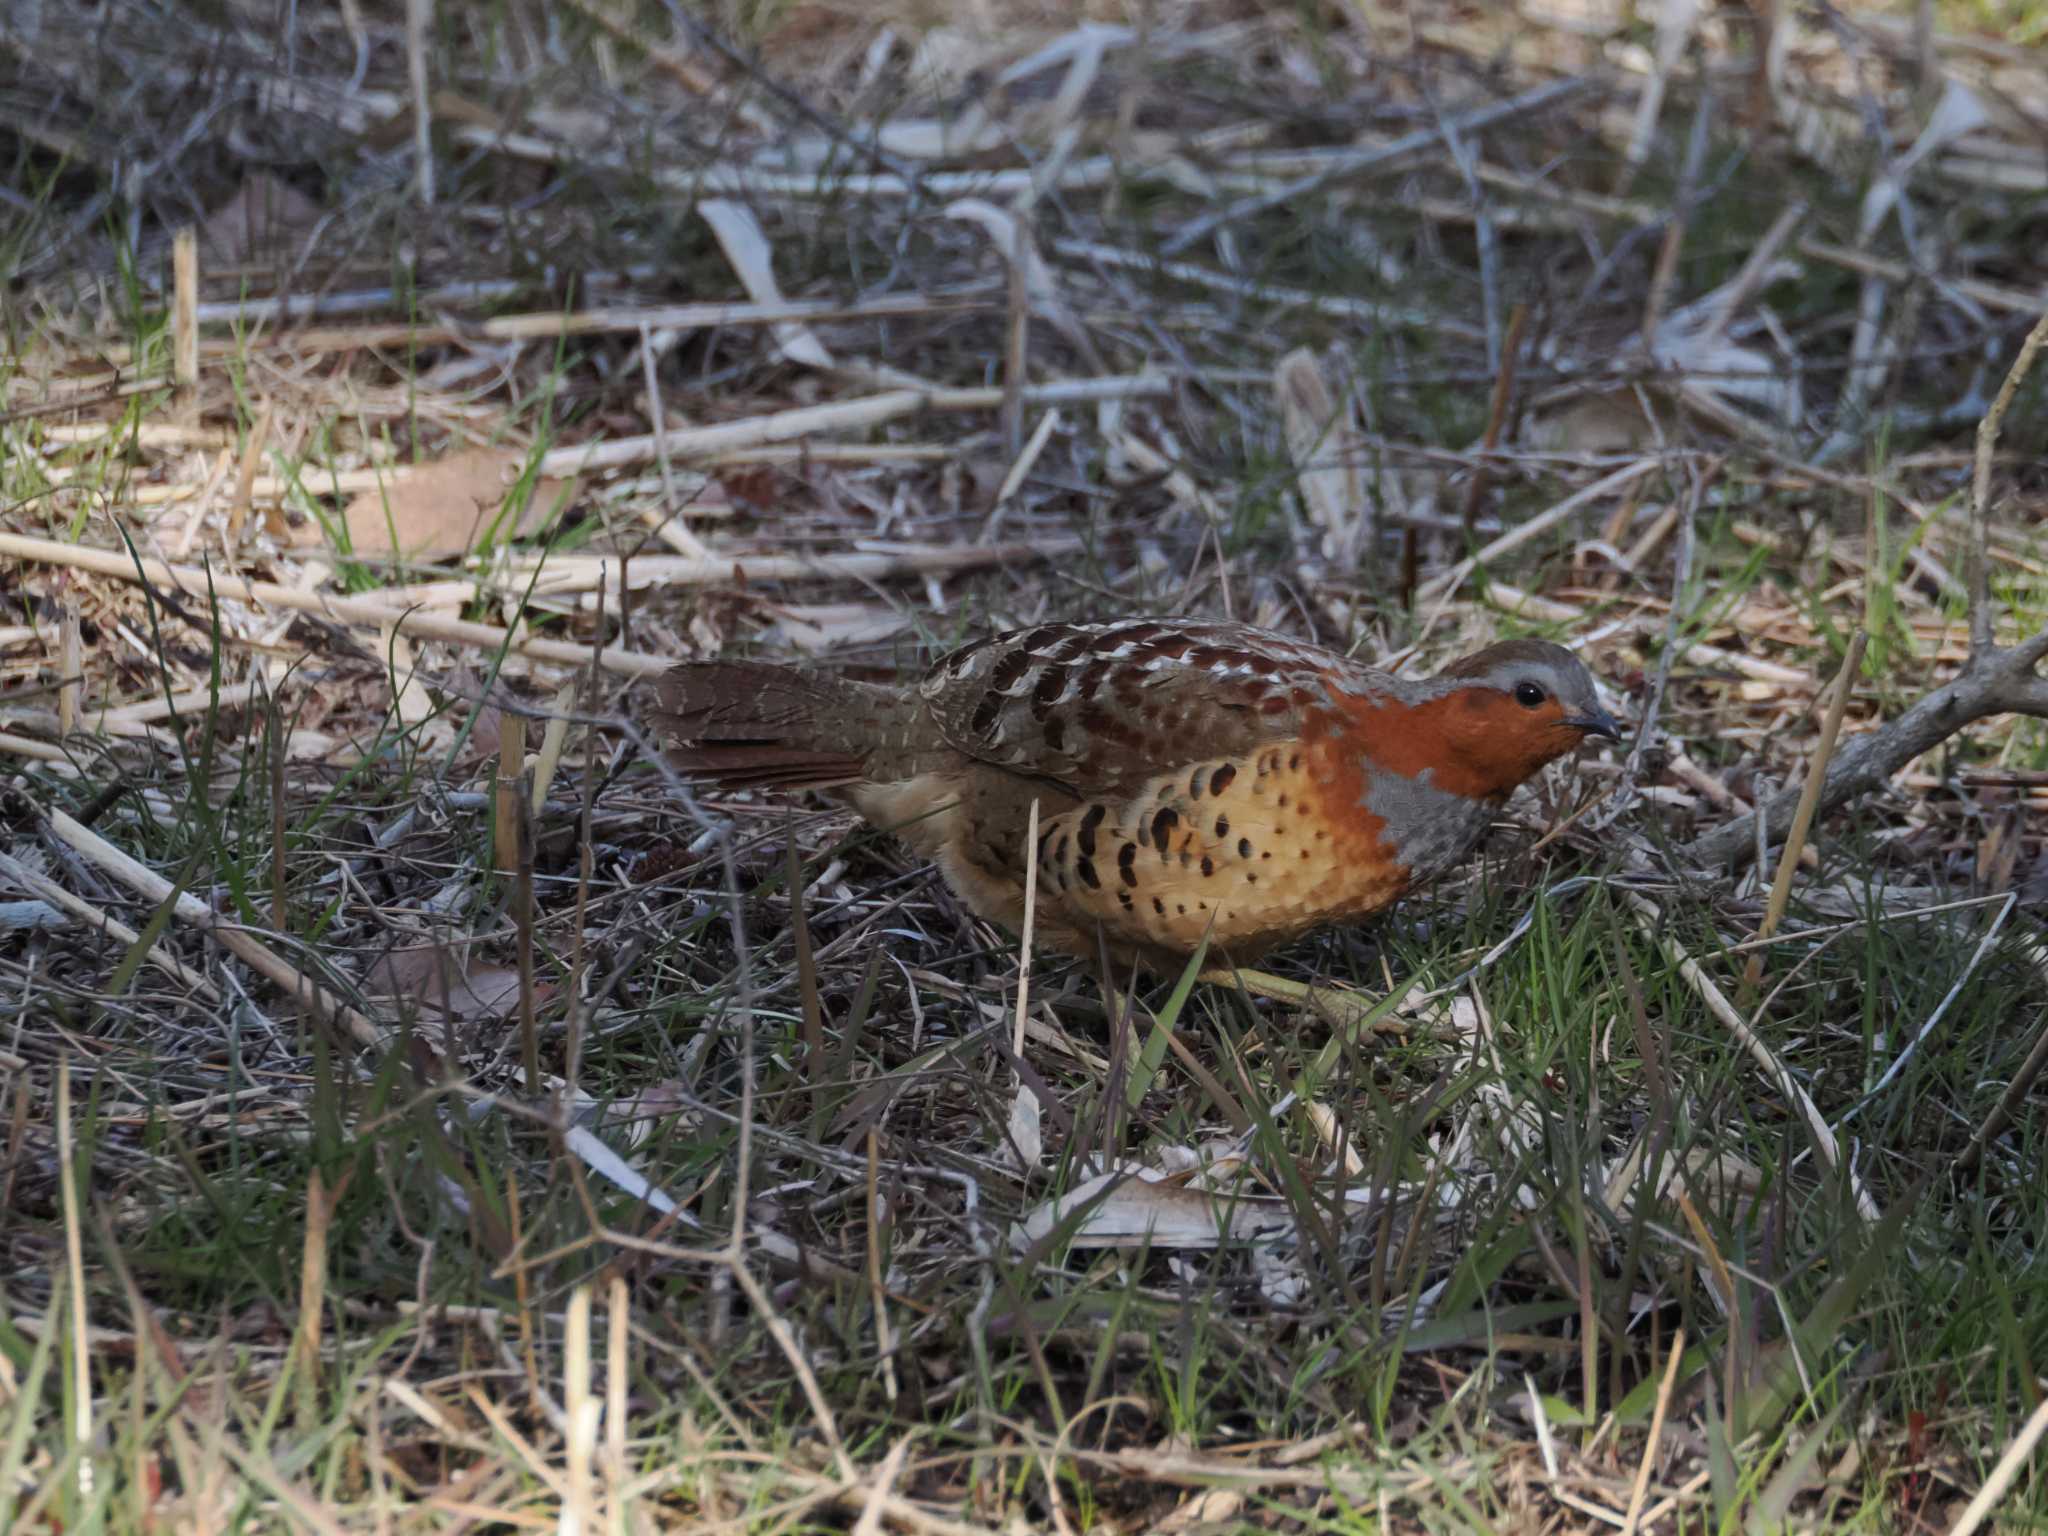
1103	707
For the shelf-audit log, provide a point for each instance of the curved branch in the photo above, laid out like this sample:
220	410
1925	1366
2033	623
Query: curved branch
1994	682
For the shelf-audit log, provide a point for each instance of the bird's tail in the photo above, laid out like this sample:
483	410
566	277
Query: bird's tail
752	725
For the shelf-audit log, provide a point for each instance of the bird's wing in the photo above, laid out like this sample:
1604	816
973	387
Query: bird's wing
1102	709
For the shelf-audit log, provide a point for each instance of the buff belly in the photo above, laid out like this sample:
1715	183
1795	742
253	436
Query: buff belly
1237	850
1247	852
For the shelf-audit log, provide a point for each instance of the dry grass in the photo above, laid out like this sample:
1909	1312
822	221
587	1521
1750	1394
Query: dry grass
419	1112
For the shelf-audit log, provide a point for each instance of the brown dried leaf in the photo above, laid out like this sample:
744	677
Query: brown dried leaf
489	992
1328	454
462	694
1595	422
425	976
1122	1211
261	221
435	510
485	737
752	487
643	1113
411	968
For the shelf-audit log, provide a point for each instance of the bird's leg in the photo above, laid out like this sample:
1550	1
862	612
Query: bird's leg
1338	1007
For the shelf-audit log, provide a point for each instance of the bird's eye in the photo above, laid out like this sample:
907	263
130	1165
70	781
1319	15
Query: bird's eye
1529	695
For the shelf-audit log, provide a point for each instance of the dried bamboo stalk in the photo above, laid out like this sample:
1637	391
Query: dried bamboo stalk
578	575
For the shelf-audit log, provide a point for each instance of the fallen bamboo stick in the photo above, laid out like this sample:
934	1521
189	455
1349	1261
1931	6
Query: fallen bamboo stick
238	941
676	570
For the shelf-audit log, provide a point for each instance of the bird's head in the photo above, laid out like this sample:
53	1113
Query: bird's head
1506	711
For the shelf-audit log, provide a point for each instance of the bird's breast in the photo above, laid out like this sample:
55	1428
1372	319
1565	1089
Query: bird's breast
1386	801
1422	827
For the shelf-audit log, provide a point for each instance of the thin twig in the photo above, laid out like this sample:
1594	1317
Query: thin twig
1024	940
96	921
2005	1474
1642	1483
1358	162
2016	1091
83	1397
419	23
1899	1061
1441	588
1340	305
1685	515
1681	216
190	909
1496	413
1016	336
185	309
1809	797
1981	617
1717	1004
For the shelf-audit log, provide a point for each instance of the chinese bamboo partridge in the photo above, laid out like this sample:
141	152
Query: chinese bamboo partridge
1192	778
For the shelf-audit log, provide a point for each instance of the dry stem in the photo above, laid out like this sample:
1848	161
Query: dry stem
1802	815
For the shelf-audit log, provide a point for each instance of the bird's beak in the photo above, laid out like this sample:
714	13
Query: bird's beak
1596	723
